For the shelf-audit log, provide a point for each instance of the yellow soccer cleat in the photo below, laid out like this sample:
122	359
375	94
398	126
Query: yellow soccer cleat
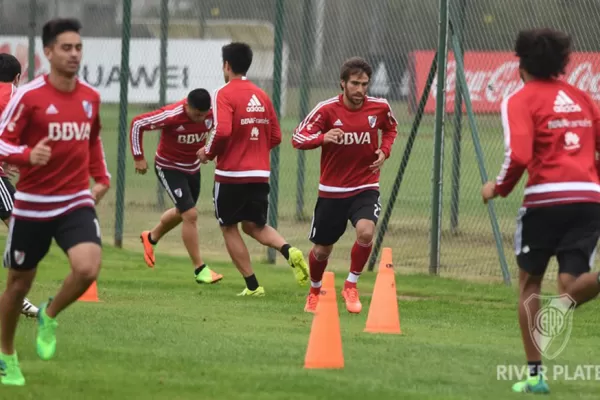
259	292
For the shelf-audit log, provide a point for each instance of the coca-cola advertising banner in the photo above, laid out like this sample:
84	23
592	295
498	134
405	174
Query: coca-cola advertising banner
491	76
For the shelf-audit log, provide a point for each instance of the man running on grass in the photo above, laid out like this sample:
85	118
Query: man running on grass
246	129
552	131
346	128
185	126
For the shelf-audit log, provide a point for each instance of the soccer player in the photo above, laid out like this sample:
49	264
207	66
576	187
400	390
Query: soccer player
246	129
346	128
185	127
552	131
50	129
10	75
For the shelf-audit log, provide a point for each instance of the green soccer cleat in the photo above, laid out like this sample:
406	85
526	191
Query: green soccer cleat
533	384
297	262
259	292
10	370
46	335
207	275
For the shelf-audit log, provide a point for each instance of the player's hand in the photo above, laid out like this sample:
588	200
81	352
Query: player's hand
202	156
488	192
379	162
41	153
98	192
333	136
141	166
11	170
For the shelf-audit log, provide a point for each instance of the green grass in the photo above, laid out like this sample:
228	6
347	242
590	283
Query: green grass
158	335
469	252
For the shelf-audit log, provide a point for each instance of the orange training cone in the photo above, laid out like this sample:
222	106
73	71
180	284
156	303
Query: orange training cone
383	311
91	294
325	341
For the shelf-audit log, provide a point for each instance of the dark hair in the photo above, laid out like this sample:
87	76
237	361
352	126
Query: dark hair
239	57
10	67
199	99
55	27
353	66
543	53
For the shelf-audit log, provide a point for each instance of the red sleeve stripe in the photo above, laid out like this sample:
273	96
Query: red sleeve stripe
298	137
7	149
507	148
11	107
155	119
215	118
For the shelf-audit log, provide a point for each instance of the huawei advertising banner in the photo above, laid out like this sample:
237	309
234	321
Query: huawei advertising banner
491	76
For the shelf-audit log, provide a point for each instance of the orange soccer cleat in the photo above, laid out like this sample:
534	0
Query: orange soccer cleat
350	295
148	249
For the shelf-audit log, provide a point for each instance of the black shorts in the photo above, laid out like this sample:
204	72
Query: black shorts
570	232
28	241
182	188
331	215
237	202
7	196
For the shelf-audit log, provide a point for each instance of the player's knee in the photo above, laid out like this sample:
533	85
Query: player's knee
190	215
529	284
85	260
250	228
87	272
322	252
365	232
19	287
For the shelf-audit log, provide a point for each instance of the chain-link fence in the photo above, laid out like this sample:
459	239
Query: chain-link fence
398	37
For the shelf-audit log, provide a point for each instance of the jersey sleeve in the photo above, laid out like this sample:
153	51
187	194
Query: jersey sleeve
223	120
275	127
388	131
310	133
13	122
98	168
147	122
518	128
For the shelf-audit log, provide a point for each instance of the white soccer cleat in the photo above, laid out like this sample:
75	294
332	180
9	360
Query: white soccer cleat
28	309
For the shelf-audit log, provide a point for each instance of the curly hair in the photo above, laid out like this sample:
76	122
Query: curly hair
544	53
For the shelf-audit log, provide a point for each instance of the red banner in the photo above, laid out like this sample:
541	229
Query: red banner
491	76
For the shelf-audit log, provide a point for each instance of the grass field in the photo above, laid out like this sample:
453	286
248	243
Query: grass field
157	335
470	252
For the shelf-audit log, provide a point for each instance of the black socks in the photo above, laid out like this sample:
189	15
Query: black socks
251	282
152	242
534	367
285	251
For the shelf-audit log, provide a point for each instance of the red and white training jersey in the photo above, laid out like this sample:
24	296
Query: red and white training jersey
72	123
180	138
552	130
246	129
345	165
6	92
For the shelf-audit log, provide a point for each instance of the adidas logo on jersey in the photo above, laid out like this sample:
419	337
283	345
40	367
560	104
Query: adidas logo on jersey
338	123
564	104
51	109
254	105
